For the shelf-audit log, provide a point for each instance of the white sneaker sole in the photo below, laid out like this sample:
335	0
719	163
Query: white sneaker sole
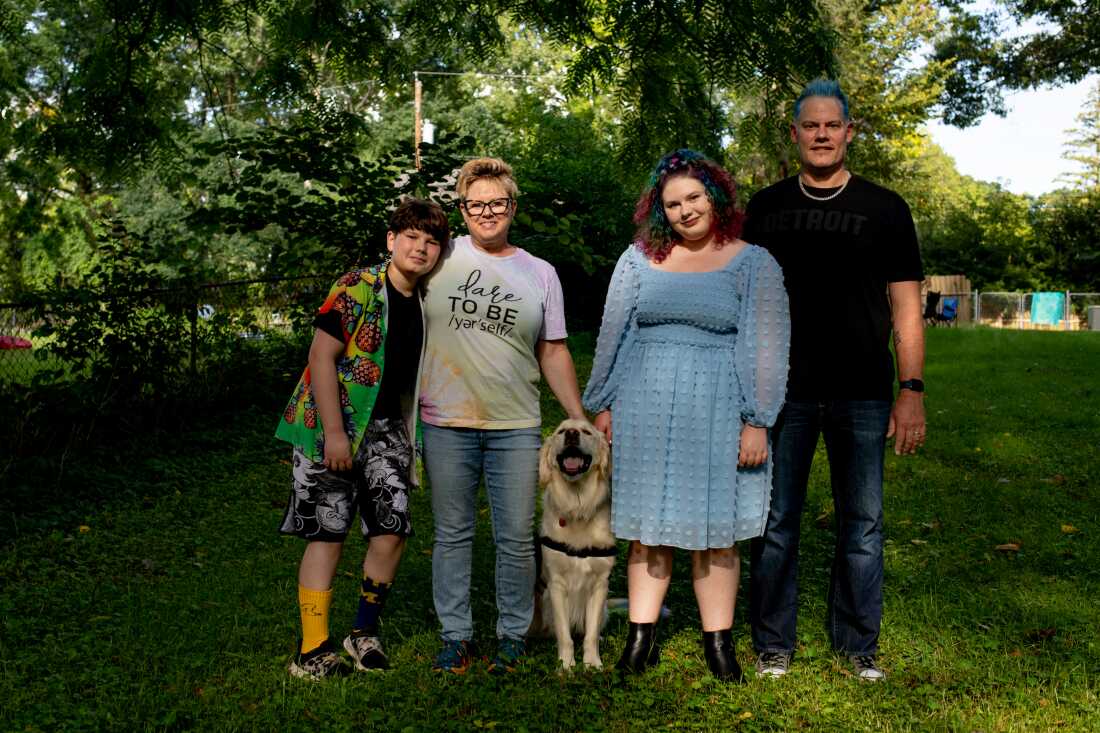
349	647
772	672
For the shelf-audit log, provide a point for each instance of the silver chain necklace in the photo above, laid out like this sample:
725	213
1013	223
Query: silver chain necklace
831	196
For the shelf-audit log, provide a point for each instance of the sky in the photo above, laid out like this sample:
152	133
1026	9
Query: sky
1022	151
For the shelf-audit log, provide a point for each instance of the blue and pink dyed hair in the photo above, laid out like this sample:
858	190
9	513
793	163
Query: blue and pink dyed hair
655	235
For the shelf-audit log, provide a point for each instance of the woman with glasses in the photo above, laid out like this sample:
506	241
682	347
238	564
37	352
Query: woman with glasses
496	320
690	369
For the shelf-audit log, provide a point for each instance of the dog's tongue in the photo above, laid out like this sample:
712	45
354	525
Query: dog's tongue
572	464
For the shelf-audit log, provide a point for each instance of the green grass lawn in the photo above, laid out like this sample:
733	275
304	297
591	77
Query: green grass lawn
158	595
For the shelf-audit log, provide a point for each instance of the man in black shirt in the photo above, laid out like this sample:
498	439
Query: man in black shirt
852	269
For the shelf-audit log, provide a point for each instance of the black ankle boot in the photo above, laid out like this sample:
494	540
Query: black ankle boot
641	648
718	649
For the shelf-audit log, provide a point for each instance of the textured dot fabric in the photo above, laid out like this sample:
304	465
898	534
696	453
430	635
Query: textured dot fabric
683	360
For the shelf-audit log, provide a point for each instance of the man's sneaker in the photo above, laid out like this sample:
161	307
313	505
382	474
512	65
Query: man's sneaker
773	664
508	656
453	657
321	663
866	668
366	650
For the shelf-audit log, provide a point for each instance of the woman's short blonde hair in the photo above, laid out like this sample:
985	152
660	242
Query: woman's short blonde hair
486	168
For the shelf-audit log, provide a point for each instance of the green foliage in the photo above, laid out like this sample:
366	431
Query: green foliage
244	139
1084	145
1067	224
115	336
1063	48
308	181
891	98
985	233
125	348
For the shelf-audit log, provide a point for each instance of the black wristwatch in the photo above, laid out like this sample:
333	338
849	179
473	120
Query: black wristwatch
913	385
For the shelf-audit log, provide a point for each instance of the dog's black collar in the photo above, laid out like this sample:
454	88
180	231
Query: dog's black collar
584	552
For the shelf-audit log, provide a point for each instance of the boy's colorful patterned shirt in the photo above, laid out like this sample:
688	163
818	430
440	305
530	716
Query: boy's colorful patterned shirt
358	297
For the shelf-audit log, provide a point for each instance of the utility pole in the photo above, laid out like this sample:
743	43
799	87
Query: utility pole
417	123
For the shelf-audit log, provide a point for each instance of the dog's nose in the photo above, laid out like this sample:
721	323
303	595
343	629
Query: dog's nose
572	437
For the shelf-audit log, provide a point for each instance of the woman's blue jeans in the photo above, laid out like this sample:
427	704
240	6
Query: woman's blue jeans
455	460
855	443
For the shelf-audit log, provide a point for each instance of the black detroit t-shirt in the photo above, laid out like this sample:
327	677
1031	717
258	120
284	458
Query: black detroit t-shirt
838	257
404	341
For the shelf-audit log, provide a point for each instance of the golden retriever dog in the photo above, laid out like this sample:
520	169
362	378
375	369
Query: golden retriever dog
578	549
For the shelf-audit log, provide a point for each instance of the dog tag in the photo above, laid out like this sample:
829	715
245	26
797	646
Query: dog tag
561	521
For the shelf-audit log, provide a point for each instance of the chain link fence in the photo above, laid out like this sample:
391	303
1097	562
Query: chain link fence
1053	311
17	358
247	309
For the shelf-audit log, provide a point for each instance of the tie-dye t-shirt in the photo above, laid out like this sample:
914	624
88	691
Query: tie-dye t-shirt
485	316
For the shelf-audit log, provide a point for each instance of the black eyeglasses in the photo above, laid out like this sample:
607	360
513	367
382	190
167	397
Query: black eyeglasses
496	206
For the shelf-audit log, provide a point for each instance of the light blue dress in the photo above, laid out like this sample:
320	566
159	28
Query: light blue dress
683	360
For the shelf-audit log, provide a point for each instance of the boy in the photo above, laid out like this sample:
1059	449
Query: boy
351	422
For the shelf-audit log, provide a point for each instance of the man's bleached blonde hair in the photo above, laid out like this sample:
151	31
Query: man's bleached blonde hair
493	169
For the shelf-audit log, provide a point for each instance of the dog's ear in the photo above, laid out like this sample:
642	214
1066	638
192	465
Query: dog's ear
603	464
546	461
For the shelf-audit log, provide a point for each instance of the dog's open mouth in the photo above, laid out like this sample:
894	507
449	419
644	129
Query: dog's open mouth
573	461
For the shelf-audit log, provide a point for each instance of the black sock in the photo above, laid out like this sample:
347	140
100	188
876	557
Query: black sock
372	598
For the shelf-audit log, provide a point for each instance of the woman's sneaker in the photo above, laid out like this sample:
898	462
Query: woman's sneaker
318	664
366	651
453	657
509	654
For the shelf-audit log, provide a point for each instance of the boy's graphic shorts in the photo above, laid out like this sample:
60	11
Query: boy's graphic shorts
323	503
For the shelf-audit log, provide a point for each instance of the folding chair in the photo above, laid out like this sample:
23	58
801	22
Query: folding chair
931	305
949	311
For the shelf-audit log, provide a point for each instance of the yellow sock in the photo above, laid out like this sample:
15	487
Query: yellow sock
313	605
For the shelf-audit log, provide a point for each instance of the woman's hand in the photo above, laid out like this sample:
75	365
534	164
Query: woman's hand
602	422
754	447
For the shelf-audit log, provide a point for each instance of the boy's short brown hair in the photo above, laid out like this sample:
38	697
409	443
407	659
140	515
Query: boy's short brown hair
422	214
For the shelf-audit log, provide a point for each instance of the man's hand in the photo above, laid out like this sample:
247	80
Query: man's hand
907	426
602	422
337	451
754	447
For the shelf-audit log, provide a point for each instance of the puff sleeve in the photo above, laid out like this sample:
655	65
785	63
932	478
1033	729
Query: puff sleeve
617	333
764	342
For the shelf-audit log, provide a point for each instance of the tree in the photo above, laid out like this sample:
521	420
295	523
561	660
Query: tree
891	98
1084	144
1067	226
1064	49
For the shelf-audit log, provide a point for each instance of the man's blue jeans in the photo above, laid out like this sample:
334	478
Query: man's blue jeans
855	442
455	460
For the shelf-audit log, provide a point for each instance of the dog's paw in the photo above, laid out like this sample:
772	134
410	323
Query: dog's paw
567	663
593	660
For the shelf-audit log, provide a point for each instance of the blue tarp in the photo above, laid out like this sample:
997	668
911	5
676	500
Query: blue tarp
1047	308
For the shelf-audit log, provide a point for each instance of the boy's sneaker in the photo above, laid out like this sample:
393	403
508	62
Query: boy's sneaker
319	664
773	664
508	656
453	657
866	668
366	650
